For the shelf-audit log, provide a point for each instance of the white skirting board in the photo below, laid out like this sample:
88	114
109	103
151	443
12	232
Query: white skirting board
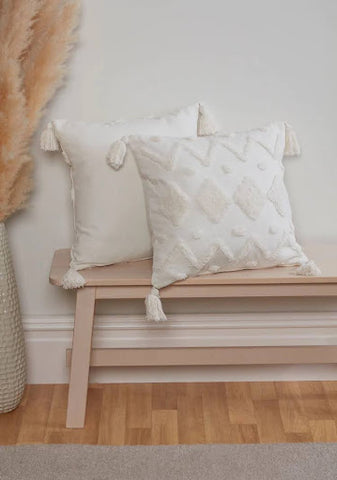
48	337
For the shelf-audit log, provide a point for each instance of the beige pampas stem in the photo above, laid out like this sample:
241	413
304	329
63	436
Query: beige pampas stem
44	66
35	38
16	20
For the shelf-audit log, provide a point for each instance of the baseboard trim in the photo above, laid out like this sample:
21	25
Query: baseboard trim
48	337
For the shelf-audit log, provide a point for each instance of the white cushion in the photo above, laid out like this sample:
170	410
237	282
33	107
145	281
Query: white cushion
109	212
216	203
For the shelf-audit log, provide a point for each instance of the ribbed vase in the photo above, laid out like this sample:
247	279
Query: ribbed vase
12	346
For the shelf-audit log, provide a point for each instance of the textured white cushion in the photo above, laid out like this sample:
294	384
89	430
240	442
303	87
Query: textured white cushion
109	212
216	203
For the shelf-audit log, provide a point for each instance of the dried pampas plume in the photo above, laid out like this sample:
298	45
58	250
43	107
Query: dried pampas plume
35	40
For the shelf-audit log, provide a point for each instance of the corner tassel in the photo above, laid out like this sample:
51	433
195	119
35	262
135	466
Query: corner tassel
308	269
291	146
72	279
154	309
116	154
206	123
48	140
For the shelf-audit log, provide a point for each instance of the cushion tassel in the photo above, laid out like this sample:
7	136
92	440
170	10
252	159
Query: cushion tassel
116	154
154	309
308	269
48	140
206	123
291	147
72	279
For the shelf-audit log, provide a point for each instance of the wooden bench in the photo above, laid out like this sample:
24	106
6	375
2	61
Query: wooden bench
133	280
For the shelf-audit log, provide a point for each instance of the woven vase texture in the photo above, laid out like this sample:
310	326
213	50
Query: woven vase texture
12	347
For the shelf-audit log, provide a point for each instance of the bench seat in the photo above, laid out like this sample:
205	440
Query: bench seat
139	272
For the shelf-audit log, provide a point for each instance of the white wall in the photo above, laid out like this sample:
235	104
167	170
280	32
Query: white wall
252	61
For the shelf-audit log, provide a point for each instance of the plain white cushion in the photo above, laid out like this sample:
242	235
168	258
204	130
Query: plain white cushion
109	212
216	203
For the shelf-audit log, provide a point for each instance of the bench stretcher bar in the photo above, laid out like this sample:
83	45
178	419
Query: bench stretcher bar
126	357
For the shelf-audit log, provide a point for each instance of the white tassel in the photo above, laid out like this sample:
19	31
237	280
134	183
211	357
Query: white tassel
154	309
48	140
206	123
291	146
72	279
308	269
116	154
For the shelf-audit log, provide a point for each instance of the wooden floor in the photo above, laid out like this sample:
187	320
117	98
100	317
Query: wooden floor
143	414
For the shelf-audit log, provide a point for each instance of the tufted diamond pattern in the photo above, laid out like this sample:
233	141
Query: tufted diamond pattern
212	200
173	202
216	203
249	198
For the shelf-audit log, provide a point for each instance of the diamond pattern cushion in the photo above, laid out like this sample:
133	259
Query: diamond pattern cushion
216	203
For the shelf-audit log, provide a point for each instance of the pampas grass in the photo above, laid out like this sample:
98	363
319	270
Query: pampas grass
35	37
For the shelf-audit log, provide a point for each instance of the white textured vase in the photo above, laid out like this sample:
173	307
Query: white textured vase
12	347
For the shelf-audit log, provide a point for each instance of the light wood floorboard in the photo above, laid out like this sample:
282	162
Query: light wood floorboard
173	413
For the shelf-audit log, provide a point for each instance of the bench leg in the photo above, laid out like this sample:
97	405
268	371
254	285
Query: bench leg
80	358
